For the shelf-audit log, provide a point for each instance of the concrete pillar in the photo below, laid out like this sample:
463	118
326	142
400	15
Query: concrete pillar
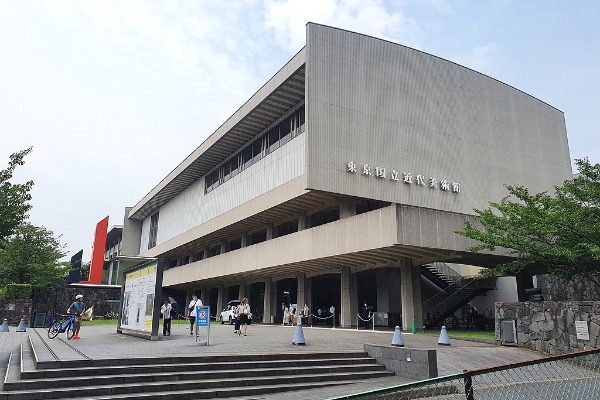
242	291
301	296
206	251
354	300
302	221
269	231
220	299
267	301
347	208
346	300
205	296
244	241
410	283
224	247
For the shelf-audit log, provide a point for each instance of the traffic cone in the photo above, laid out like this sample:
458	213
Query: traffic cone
444	340
299	334
414	327
4	326
21	327
397	339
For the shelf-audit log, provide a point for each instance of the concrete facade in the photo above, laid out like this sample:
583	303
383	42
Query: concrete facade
389	152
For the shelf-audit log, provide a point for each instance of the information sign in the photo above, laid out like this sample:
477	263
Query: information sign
581	328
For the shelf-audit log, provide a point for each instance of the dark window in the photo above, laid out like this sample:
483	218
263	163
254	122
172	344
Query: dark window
285	131
258	237
247	154
324	217
273	139
214	251
173	263
198	255
215	178
153	230
235	165
301	122
235	244
287	228
208	182
257	149
226	170
185	260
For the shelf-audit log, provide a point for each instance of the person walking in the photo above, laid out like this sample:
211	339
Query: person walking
192	311
243	311
77	308
365	315
166	313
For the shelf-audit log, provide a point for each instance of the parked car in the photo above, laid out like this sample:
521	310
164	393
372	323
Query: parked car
228	313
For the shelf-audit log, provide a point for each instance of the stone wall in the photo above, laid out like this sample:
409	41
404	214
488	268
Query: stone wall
14	310
58	298
549	326
560	289
409	363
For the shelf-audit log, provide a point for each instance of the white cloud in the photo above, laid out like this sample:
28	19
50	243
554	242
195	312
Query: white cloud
485	58
287	19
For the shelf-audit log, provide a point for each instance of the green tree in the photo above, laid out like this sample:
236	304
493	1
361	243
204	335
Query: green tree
31	255
560	232
14	198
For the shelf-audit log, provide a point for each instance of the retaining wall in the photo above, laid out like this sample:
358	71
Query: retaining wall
410	363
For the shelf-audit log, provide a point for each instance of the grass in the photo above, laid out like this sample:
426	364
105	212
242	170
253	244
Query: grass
461	334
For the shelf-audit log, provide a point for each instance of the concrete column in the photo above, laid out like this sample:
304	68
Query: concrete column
204	296
346	300
244	241
347	208
267	301
354	300
269	231
410	283
220	298
302	221
301	296
224	247
205	250
242	291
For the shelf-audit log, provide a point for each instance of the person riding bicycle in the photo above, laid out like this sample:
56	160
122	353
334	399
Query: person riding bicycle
77	308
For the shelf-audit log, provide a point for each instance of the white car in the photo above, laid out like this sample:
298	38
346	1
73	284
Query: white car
228	314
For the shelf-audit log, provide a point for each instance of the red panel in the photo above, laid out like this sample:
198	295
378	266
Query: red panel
98	252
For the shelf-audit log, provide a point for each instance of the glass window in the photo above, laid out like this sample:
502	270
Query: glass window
257	149
273	139
301	122
285	131
153	230
247	154
208	182
226	170
215	178
235	165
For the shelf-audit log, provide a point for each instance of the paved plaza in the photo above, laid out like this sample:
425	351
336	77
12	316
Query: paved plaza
101	342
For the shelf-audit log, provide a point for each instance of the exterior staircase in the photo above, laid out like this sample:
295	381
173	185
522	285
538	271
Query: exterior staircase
182	377
456	291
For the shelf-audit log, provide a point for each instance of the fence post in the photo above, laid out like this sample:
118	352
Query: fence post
468	386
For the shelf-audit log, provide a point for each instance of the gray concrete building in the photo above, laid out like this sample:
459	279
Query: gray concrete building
343	175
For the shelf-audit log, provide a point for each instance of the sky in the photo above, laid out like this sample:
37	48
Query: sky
114	94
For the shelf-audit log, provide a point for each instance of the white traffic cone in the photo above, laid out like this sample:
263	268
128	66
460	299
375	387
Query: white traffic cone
397	340
444	340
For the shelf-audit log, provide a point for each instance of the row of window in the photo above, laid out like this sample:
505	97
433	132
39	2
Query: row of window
266	143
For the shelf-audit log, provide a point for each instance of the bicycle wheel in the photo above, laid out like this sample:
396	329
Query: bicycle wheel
54	330
70	331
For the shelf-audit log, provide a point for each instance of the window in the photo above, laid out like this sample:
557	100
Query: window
235	164
285	131
247	157
273	139
153	230
215	178
257	150
226	170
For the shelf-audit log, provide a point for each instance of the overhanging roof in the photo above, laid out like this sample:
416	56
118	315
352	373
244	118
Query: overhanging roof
270	102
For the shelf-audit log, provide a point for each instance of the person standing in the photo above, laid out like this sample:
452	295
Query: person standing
192	311
366	312
77	308
243	311
305	312
332	312
166	313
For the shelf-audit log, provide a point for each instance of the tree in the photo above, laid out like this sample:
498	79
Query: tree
14	198
31	255
560	232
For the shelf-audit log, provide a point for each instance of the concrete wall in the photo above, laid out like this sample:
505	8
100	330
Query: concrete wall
379	103
549	326
506	291
192	207
560	289
410	363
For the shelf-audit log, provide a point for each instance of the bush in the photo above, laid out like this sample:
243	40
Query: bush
18	291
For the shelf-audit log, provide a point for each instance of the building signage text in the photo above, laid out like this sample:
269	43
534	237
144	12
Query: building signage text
406	177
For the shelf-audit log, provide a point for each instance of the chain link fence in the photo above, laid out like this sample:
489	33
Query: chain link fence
564	377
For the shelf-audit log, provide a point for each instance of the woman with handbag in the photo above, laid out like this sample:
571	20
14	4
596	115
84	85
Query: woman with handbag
243	310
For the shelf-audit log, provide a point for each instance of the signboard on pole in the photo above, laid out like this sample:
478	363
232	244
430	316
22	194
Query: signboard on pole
203	320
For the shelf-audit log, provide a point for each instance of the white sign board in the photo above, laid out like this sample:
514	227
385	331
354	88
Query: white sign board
138	299
581	328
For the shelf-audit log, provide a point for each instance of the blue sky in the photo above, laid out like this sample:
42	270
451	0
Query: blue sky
114	94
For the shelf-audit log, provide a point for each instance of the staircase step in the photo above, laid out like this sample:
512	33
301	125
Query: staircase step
73	380
183	367
173	387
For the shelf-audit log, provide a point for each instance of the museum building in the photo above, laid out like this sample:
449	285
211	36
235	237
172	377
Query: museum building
342	177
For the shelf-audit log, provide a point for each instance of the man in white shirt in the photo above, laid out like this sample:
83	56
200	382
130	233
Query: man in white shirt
166	313
193	311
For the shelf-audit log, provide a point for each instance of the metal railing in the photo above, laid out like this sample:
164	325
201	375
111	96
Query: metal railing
564	377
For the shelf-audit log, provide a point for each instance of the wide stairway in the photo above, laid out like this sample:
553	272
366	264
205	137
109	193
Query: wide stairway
182	377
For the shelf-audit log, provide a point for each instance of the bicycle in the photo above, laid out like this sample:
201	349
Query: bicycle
65	323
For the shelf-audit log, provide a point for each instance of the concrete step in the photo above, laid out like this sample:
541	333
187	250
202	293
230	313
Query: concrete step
213	387
74	380
184	367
